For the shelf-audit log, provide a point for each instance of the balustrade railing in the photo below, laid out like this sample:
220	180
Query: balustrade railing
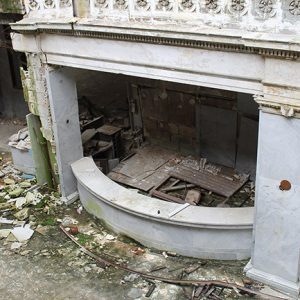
214	12
49	8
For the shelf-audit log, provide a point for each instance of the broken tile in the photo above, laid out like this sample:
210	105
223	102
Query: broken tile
5	221
16	193
25	184
9	181
4	233
43	230
22	214
20	202
16	245
22	234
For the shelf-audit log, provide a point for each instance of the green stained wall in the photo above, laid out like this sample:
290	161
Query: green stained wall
11	6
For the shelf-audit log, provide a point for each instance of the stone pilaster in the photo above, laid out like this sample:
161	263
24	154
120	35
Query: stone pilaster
276	238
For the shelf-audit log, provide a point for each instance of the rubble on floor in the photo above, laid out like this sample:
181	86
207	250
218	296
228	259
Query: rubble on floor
20	140
29	227
20	147
20	200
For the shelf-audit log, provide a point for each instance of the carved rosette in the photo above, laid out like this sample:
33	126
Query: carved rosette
101	4
164	5
142	5
33	4
266	8
187	5
238	7
120	4
65	3
294	7
49	4
213	6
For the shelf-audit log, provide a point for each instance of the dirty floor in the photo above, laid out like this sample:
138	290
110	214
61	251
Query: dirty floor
49	265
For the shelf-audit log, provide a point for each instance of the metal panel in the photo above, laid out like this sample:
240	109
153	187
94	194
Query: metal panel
247	147
218	128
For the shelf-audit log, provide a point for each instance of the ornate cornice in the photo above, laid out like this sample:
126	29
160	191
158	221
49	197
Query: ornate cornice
288	109
160	40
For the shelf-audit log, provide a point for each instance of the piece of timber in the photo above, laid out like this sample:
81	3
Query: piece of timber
206	180
166	197
178	187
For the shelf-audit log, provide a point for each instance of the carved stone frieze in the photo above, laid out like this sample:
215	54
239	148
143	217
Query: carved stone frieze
101	3
294	7
266	8
142	4
187	5
164	5
120	4
65	3
212	6
33	4
238	7
49	3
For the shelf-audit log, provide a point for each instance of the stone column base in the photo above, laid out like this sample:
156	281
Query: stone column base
70	199
285	286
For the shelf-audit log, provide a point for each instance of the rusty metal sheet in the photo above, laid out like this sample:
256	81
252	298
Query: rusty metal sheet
206	180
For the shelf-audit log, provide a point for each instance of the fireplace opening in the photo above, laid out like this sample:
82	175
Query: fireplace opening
179	143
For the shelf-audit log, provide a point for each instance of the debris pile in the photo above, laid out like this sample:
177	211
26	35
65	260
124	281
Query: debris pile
20	140
20	198
29	212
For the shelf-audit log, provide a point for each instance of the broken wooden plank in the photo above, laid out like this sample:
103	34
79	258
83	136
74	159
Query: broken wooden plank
151	290
208	181
143	185
166	197
178	187
95	123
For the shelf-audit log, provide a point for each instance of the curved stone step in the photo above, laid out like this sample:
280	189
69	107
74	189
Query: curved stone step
203	232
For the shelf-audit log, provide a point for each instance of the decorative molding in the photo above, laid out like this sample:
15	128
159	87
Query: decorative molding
187	5
270	105
213	6
238	7
216	46
266	8
174	10
294	7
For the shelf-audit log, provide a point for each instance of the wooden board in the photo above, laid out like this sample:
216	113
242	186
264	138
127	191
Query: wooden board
208	181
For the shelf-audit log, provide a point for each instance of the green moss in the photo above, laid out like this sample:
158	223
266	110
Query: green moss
83	238
10	6
49	221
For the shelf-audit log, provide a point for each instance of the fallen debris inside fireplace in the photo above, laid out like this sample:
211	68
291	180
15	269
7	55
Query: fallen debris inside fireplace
125	157
172	177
